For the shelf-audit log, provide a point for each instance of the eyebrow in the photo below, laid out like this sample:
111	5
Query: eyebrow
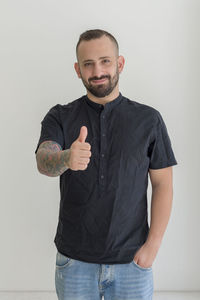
99	58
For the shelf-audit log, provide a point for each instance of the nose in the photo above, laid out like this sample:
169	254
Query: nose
97	72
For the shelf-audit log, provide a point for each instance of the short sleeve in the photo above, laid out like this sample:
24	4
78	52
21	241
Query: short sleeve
51	128
160	150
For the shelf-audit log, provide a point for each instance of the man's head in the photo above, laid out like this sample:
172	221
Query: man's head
98	57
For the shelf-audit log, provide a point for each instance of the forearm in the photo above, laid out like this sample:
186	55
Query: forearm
53	164
161	204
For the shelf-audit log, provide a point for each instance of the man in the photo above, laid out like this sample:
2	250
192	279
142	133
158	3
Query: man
103	146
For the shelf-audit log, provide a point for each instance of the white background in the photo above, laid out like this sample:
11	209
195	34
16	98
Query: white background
160	43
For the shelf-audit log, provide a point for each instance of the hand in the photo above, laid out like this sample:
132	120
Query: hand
79	152
145	256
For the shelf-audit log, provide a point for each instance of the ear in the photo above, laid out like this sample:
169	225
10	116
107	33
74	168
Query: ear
77	69
121	62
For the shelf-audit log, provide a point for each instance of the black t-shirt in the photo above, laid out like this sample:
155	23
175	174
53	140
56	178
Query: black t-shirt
103	215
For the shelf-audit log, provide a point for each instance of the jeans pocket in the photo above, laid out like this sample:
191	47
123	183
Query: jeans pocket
141	268
62	261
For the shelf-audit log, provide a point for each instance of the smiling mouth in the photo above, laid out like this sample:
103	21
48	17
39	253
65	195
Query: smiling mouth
99	81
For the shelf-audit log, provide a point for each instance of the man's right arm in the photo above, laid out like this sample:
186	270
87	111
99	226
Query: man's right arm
51	159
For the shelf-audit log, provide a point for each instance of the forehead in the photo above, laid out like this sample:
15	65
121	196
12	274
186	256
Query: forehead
96	48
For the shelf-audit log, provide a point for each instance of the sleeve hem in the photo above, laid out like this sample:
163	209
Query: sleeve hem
47	139
163	165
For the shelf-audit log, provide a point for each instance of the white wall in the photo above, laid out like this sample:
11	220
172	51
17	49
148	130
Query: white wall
160	42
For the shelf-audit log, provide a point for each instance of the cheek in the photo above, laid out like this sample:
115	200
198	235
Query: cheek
84	75
112	70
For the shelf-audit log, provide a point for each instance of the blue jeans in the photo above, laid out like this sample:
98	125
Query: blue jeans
79	280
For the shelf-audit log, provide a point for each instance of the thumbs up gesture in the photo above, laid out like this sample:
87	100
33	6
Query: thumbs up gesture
80	152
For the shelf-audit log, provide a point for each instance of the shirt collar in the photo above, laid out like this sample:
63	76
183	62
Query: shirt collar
108	106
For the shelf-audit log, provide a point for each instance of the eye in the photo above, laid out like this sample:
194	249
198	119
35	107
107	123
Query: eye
87	64
106	60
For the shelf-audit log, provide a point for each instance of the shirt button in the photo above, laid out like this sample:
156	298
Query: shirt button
103	116
103	134
102	155
102	176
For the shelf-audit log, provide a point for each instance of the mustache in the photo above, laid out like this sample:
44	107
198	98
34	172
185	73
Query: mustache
96	78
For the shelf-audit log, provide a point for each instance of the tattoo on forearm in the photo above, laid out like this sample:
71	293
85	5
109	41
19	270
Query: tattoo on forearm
51	159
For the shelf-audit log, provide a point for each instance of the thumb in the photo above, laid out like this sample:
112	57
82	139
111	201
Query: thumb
83	134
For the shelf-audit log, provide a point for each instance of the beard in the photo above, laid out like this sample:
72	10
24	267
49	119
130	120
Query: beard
104	89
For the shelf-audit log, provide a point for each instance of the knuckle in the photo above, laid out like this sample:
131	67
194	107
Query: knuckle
88	146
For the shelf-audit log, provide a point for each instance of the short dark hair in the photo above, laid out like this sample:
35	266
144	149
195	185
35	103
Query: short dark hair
96	34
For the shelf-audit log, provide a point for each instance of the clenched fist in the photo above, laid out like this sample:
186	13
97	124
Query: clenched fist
80	153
